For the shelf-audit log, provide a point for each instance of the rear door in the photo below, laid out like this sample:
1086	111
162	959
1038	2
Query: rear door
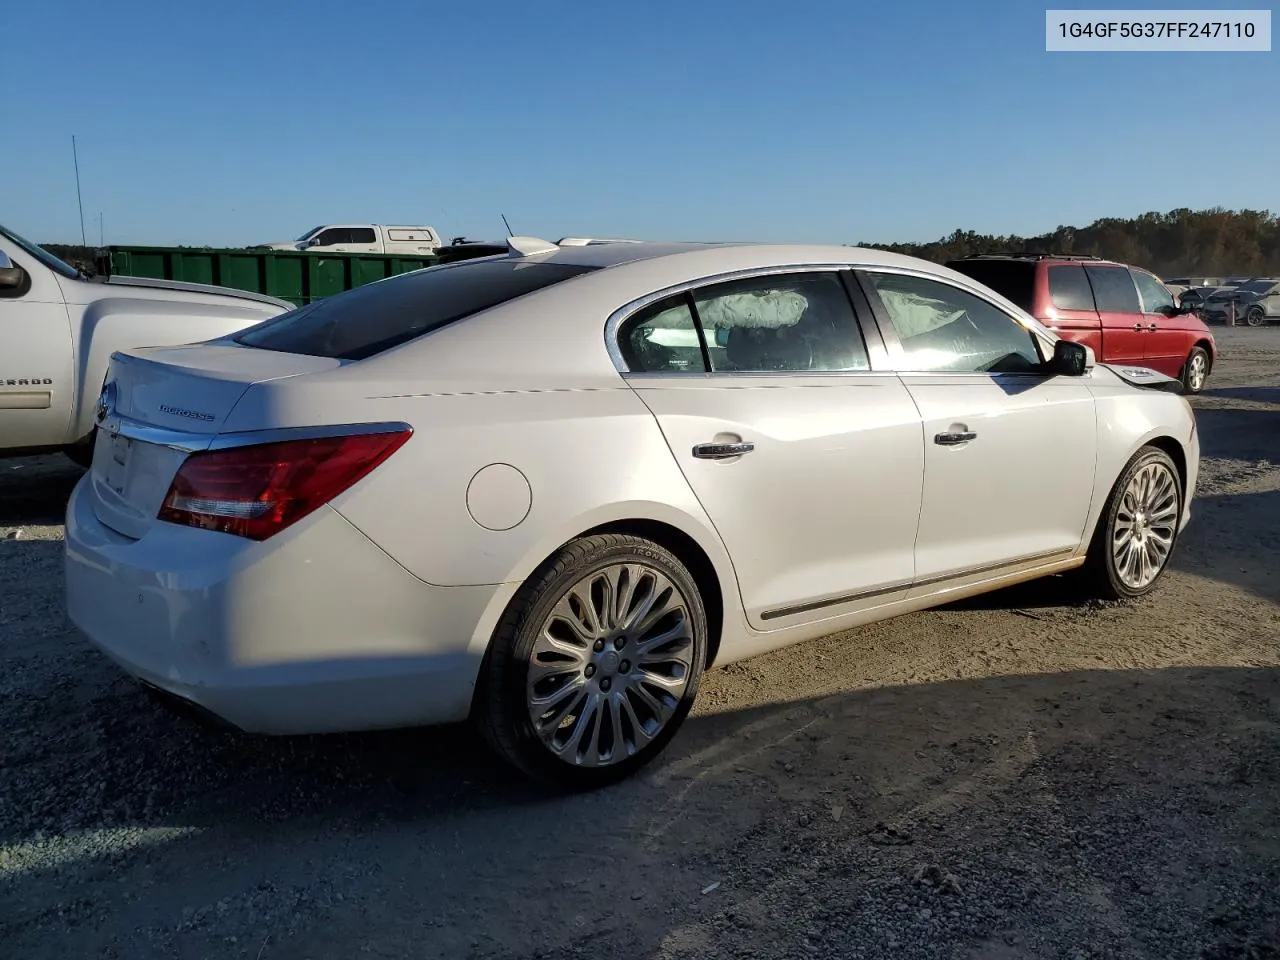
1169	338
1124	328
805	452
1009	449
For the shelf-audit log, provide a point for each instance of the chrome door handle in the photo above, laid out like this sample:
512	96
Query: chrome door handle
1153	327
722	451
1137	326
954	439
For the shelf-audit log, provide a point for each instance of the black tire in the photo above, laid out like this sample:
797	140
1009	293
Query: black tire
1256	317
500	710
81	453
1101	578
1190	383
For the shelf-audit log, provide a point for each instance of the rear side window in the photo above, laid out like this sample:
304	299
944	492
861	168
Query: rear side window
378	316
796	322
663	338
1015	280
1113	289
1069	288
362	235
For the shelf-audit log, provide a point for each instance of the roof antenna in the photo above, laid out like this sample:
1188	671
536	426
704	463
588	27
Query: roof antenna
507	225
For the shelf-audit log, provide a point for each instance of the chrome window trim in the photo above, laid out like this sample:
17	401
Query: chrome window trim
187	442
1027	322
621	315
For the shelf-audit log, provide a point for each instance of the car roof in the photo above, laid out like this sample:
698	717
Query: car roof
729	255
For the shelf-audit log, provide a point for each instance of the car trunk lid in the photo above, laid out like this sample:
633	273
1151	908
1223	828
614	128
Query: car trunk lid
161	404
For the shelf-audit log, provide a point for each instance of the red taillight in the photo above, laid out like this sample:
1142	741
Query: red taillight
259	490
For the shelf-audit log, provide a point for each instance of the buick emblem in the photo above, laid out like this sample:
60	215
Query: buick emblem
106	402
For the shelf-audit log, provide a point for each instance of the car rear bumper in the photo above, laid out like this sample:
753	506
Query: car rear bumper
315	630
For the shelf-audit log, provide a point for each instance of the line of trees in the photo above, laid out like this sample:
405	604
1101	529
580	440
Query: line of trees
1214	242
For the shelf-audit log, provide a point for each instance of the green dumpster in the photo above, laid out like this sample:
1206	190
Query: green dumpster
297	276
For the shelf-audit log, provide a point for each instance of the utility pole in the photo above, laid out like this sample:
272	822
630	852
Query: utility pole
100	231
84	241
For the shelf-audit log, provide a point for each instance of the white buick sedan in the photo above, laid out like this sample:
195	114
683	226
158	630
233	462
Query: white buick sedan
547	490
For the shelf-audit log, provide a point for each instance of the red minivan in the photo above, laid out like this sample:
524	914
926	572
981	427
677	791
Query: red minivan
1124	313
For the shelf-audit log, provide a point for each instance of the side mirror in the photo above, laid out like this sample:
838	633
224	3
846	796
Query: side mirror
12	277
1070	359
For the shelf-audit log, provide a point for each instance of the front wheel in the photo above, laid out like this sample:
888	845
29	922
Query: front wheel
1255	317
596	662
1138	528
1195	371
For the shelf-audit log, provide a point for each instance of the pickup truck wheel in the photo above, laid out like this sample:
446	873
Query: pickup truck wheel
1195	371
1256	317
81	453
1138	528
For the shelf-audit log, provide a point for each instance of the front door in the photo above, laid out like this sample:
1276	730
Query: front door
808	462
1169	341
1009	450
1124	328
37	359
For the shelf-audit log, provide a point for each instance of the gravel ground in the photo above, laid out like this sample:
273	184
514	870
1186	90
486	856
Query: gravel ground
1018	775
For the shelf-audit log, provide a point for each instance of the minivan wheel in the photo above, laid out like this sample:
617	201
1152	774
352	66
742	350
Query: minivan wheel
1255	317
1195	371
1138	528
595	664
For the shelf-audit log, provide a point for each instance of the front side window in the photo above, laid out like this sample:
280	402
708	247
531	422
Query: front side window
1069	288
368	319
1156	298
787	322
333	237
1113	290
945	329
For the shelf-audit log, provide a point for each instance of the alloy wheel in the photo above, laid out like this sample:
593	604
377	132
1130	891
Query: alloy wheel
1197	370
1146	524
610	665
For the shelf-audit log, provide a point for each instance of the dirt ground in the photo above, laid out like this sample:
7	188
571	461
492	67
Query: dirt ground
1019	775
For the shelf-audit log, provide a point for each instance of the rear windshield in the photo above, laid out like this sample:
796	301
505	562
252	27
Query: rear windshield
376	317
1012	279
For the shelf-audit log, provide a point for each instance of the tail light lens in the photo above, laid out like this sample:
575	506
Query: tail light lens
259	490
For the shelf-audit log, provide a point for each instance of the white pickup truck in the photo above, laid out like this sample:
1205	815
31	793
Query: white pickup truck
364	238
58	329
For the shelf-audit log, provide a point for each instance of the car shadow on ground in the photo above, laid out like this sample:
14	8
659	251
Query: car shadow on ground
1150	792
1257	394
34	490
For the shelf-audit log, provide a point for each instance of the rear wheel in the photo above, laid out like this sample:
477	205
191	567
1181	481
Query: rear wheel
1195	371
1138	528
595	664
1255	317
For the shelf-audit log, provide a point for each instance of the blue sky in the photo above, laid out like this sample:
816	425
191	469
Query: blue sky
245	121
